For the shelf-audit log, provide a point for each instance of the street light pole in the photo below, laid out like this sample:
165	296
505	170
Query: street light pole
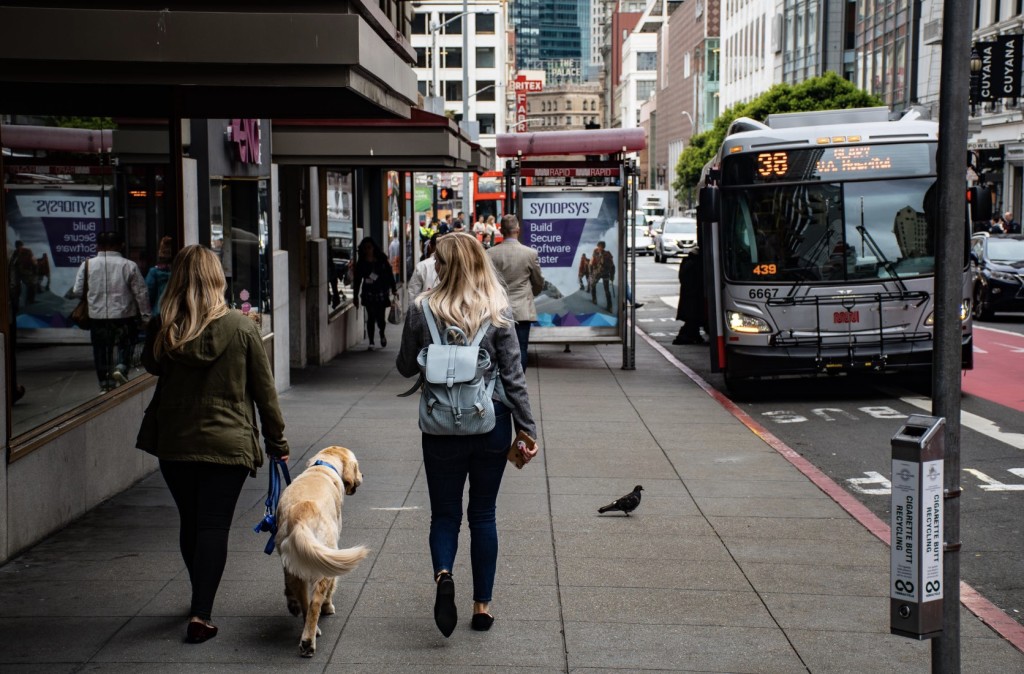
434	28
949	265
467	190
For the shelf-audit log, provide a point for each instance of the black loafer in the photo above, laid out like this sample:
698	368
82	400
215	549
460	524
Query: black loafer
482	622
446	616
199	632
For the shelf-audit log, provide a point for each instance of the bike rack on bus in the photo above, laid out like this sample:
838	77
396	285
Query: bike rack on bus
854	360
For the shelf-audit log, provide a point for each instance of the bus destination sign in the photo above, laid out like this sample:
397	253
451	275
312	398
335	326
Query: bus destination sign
842	162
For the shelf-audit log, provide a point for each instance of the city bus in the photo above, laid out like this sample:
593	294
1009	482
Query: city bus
489	194
817	236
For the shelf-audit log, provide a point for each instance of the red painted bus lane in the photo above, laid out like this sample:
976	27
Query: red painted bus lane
998	373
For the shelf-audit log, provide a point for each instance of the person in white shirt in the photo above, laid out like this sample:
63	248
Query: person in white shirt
117	300
425	275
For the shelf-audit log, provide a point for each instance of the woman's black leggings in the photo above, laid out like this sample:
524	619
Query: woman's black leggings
376	316
206	494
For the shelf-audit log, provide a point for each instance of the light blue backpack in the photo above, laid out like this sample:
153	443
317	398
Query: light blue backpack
456	394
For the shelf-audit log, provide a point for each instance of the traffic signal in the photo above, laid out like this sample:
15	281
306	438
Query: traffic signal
979	199
445	194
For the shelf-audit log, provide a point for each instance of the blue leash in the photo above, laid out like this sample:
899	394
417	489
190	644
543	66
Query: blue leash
278	468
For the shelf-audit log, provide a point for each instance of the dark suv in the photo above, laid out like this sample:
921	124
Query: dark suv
998	265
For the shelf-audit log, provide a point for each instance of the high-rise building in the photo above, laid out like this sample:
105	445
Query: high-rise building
549	38
442	69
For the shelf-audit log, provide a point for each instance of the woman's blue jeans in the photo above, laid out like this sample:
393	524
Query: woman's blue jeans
448	461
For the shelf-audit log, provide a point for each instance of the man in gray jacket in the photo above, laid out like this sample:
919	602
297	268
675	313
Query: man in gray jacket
519	270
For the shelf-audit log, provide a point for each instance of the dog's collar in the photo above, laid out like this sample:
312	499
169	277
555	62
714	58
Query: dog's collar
318	462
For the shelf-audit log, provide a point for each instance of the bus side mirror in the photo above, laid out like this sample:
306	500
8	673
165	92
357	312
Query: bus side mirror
708	204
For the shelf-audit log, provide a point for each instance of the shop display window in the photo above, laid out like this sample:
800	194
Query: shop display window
61	209
340	238
240	235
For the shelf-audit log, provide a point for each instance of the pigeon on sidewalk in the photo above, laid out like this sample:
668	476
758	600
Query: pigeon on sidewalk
626	504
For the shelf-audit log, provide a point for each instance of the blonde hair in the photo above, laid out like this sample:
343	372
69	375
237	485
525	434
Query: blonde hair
468	291
194	298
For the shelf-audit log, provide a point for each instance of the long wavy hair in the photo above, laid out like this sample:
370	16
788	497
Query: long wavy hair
468	291
194	298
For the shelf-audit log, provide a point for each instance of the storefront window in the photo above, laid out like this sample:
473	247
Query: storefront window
340	238
62	211
239	234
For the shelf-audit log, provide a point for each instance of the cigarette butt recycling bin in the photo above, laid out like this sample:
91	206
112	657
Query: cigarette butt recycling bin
915	563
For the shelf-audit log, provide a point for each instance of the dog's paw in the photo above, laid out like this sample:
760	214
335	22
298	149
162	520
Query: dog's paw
293	606
328	609
307	648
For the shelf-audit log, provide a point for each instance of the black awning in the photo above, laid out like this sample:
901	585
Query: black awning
424	142
300	62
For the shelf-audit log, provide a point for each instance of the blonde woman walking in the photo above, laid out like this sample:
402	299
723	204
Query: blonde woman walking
467	294
201	423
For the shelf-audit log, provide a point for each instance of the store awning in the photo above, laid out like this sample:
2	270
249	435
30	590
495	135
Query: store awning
299	60
424	142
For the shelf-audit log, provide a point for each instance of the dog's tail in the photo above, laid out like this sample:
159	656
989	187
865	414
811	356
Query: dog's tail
306	557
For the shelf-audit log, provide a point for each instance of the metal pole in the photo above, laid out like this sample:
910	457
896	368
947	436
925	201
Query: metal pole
467	205
957	19
434	28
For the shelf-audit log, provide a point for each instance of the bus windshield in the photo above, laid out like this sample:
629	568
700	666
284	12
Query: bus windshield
867	230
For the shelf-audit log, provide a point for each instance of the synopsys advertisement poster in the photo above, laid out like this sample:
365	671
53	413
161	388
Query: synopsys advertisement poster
576	237
57	229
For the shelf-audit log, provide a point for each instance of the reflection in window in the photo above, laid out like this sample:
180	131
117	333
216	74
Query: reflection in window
239	234
340	235
55	218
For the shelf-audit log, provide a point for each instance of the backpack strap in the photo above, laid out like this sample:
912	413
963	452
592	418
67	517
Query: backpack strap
428	315
480	333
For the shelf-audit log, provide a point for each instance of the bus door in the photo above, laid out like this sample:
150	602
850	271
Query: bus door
708	215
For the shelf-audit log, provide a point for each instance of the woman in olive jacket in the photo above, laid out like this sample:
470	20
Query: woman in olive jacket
201	423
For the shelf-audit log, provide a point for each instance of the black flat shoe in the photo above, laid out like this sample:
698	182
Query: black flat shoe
199	632
446	616
482	622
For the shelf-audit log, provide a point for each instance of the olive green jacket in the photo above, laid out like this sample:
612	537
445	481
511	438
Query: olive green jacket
204	407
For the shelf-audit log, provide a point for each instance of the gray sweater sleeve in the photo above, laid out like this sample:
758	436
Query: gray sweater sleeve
500	343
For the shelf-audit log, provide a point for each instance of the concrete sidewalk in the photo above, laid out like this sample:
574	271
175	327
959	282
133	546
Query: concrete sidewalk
734	562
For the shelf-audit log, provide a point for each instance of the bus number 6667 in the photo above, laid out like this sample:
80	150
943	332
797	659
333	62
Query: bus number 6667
763	293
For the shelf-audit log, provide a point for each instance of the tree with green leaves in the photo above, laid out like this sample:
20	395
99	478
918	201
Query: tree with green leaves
828	92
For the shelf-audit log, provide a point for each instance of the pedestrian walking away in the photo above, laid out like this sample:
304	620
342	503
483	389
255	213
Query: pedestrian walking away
160	273
425	275
373	284
518	268
214	375
118	303
467	295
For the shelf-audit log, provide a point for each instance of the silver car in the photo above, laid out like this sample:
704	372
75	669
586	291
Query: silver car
678	236
644	243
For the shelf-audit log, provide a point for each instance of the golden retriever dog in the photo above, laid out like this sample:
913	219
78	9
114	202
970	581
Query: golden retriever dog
309	524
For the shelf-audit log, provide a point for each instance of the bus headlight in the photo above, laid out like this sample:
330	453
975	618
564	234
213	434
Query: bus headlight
739	322
965	311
